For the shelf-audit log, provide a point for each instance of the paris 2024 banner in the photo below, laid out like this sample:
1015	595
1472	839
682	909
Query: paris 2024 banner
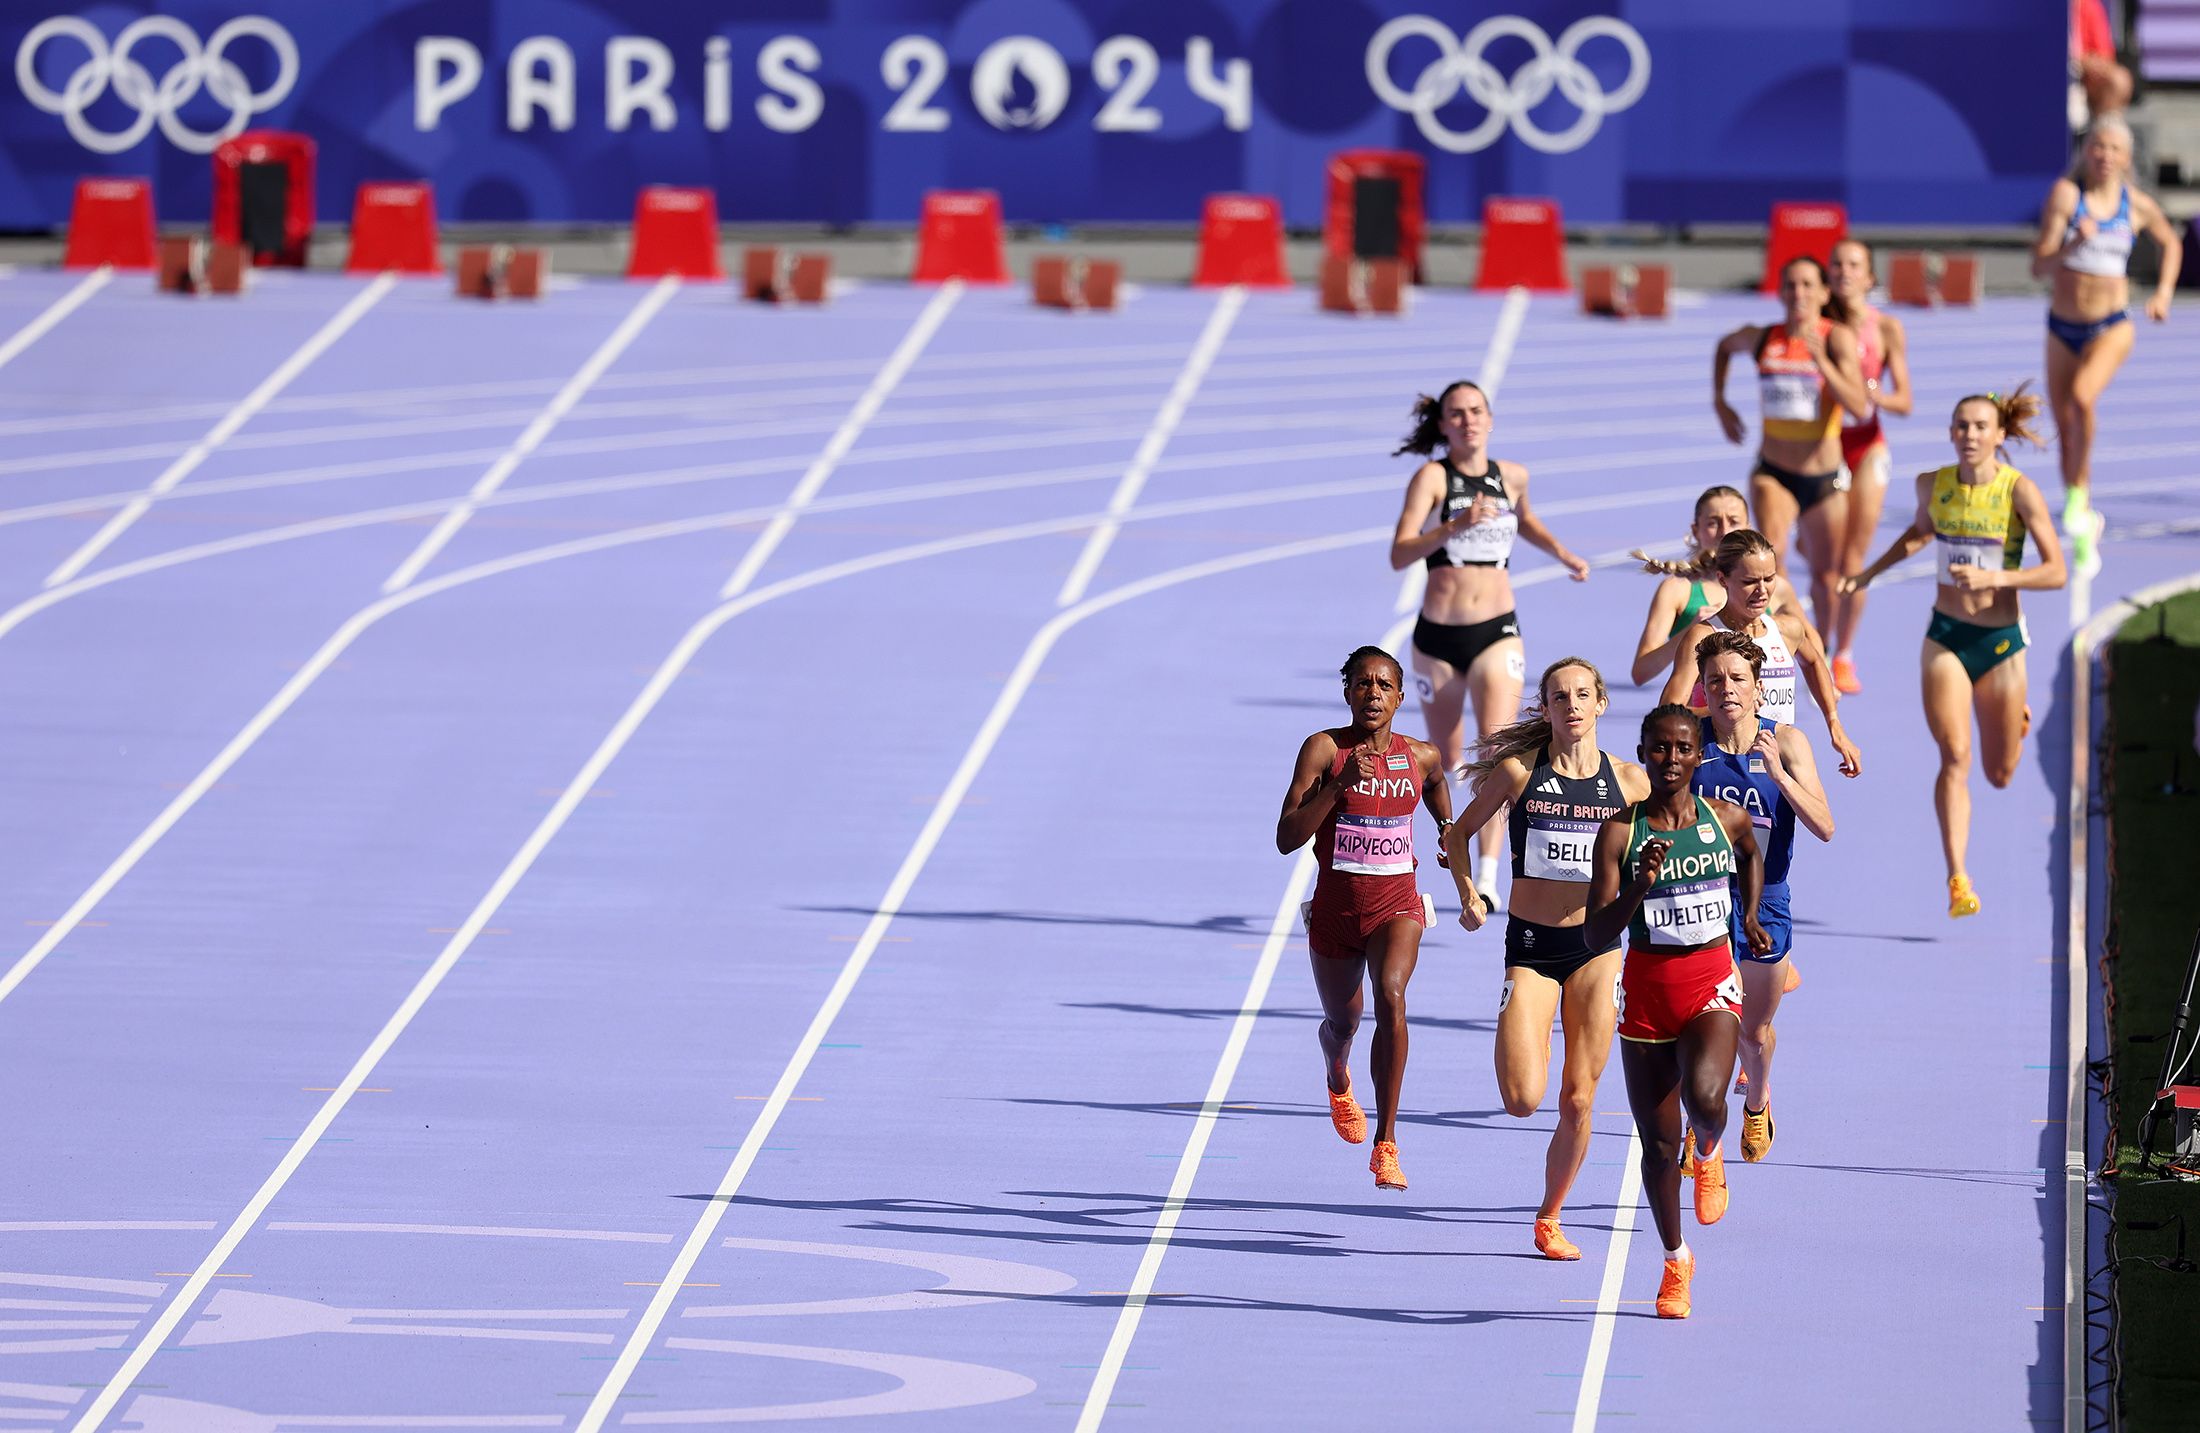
1075	111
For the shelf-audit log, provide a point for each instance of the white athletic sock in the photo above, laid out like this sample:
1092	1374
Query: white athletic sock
1673	1255
1705	1156
1485	873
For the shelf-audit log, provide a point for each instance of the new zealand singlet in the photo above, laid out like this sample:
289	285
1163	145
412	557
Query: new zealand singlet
1486	544
1691	900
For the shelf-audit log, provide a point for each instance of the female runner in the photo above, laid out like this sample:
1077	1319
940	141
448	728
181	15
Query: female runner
2089	317
1977	511
1560	788
1467	643
1353	792
1692	588
1664	871
1745	561
1769	772
1807	375
1882	351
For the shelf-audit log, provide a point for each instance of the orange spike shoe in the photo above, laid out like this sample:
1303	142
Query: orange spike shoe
1345	1113
1552	1244
1673	1287
1793	980
1711	1189
1844	677
1383	1164
1688	1157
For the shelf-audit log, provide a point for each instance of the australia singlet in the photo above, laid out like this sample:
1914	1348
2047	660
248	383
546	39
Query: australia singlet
1791	392
1486	544
1555	819
1976	524
1776	679
1691	899
1740	777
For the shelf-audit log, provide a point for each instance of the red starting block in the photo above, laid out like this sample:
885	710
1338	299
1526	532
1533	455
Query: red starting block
675	234
771	277
1628	291
1925	279
1799	230
501	271
111	223
393	228
959	237
1523	245
1363	285
1058	281
1241	242
188	264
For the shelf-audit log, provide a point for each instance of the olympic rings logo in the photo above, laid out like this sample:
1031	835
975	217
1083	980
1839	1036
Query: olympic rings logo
1460	67
202	67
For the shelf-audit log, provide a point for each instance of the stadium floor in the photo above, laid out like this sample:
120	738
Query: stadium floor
477	973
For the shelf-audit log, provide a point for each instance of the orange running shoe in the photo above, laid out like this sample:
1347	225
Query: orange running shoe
1793	980
1756	1133
1711	1189
1551	1243
1673	1288
1844	677
1383	1164
1962	900
1688	1157
1345	1113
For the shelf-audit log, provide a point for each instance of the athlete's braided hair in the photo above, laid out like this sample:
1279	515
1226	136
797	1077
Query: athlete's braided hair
1529	735
2014	411
1724	558
1724	643
1427	436
1361	654
1662	712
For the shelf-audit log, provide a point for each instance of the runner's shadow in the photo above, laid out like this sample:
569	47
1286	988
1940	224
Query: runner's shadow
1218	1012
1217	925
2024	1179
1826	928
1227	1303
1438	1119
1102	1211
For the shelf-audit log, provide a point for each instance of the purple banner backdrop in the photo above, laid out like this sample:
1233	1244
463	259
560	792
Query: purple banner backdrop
845	111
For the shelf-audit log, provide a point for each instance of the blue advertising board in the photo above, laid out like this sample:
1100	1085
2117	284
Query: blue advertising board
846	111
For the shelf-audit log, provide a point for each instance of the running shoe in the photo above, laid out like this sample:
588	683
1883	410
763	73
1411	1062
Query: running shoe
1741	1082
1711	1189
1792	980
1551	1243
1345	1113
1688	1157
1673	1288
1756	1133
1844	677
1383	1164
2083	531
1962	900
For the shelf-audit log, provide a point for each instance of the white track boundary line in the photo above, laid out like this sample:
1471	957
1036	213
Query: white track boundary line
1606	1321
54	312
575	387
844	437
2085	647
285	373
1150	448
897	890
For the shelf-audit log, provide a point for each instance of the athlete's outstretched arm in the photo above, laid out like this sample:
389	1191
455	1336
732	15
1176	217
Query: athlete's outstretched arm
1751	863
1680	686
1532	529
1496	787
1312	792
1905	545
2155	222
1894	368
1810	657
2046	575
1741	340
1612	905
1435	792
1653	649
1409	544
1792	767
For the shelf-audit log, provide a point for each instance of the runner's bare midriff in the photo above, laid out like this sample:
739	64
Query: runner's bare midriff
1457	596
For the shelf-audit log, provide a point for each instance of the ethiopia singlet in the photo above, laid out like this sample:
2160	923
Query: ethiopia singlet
1486	544
1791	392
1976	524
1740	777
1554	820
1691	900
1776	679
1369	832
1858	435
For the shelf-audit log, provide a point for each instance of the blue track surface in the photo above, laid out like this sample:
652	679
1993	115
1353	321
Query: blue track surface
399	977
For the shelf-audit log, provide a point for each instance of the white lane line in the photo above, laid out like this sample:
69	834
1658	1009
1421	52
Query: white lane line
844	437
1510	316
575	387
1591	1395
236	418
56	311
1156	440
912	866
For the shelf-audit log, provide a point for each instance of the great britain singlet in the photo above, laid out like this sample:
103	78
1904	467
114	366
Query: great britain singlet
1740	777
1976	524
1486	544
1791	392
1691	899
1554	820
2108	252
1776	679
1369	832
